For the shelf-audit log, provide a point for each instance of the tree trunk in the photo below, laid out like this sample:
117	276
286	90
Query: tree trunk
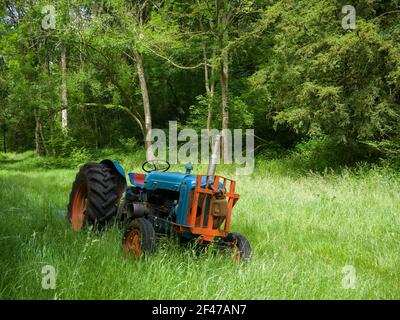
146	104
223	38
224	91
209	80
39	149
5	138
64	97
96	130
224	97
46	151
53	122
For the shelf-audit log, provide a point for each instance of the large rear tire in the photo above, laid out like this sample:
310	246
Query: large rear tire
94	197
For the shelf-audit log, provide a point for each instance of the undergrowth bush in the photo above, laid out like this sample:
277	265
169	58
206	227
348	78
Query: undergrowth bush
317	155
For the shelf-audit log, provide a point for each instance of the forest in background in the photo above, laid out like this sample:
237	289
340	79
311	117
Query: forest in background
92	74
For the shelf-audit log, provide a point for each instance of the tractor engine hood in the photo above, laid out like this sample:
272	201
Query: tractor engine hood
171	181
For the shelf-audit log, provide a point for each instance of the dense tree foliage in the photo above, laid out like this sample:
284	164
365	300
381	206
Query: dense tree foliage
111	70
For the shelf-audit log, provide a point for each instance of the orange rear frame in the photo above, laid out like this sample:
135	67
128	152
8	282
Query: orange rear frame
208	232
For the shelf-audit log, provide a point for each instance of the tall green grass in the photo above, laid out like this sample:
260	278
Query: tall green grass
303	227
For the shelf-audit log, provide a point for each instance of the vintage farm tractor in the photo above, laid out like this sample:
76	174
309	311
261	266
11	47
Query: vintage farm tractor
197	208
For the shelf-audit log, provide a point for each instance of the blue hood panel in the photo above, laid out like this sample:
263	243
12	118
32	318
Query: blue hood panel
169	180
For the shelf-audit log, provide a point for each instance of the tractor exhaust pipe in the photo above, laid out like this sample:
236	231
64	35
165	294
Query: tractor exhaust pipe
214	156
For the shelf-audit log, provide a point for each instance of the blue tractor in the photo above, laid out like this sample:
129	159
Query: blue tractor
157	204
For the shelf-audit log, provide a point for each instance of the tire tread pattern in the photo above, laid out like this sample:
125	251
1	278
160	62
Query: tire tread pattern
103	194
148	235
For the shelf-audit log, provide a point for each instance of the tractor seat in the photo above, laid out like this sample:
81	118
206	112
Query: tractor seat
137	179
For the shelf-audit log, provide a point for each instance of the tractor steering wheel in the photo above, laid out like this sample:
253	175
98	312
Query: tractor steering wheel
156	165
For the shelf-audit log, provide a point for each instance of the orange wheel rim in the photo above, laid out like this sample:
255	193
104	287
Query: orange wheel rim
79	207
132	244
235	252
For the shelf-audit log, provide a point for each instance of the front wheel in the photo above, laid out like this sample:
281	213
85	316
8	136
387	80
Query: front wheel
139	238
239	246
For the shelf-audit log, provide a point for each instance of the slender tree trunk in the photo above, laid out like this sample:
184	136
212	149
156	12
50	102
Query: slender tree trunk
40	143
209	80
5	138
96	130
46	151
223	14
64	97
39	149
53	118
224	91
224	96
146	103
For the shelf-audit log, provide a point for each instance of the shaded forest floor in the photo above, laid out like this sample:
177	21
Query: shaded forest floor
304	228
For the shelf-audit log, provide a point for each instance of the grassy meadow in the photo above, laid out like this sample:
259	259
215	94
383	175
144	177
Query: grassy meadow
304	227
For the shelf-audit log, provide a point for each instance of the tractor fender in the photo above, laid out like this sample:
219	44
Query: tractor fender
116	167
